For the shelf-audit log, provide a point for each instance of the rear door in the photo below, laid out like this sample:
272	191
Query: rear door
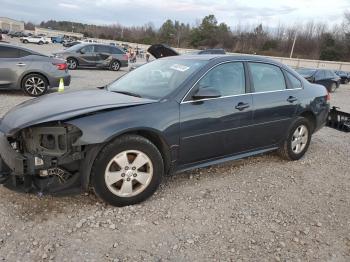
103	54
275	105
87	56
13	62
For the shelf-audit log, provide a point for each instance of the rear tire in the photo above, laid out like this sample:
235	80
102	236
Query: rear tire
72	63
333	88
115	65
298	140
25	41
35	85
127	171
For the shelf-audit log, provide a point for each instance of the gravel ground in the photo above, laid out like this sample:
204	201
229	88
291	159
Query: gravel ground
258	209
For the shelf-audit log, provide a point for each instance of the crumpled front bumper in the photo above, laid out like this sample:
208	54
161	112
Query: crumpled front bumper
10	160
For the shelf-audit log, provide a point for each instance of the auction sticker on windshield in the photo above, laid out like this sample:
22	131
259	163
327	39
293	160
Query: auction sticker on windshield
181	68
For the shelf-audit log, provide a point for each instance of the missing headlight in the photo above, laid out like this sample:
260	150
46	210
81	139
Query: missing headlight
50	140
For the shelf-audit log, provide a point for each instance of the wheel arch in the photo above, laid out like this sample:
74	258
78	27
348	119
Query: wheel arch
311	117
34	73
153	136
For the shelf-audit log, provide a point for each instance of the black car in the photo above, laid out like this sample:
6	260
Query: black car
17	34
70	43
323	77
344	76
170	115
211	51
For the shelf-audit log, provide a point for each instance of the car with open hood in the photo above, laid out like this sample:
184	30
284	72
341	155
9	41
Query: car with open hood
168	116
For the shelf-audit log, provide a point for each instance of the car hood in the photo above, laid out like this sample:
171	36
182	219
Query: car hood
161	50
62	106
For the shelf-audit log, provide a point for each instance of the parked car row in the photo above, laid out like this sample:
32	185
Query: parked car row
325	77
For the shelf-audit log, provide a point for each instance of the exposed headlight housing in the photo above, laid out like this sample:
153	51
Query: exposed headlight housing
50	140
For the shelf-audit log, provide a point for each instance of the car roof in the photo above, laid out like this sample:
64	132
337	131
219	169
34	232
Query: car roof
208	57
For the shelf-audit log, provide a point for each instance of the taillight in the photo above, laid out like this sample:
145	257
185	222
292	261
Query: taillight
125	57
61	66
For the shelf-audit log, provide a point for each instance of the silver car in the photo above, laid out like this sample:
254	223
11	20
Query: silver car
94	55
34	73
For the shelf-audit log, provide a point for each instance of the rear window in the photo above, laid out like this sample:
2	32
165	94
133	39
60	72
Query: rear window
116	50
267	77
295	82
102	49
12	52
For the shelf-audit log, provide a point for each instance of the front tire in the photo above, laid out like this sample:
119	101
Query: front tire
127	171
35	85
298	140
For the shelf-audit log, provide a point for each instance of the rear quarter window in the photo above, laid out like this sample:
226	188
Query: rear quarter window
116	50
293	81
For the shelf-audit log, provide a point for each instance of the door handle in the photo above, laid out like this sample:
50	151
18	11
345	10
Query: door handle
292	99
21	64
241	106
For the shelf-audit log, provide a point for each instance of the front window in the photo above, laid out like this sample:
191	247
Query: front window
156	79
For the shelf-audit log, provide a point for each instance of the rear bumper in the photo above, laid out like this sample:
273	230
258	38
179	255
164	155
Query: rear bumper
124	63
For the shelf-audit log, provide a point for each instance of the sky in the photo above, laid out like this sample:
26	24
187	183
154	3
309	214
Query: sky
140	12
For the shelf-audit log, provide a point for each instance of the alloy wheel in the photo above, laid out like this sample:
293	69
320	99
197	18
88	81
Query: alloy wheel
299	139
129	173
115	66
72	64
35	86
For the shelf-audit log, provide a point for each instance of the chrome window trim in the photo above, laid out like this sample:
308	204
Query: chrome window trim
265	92
252	93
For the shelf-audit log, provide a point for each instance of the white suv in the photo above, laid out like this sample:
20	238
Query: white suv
40	40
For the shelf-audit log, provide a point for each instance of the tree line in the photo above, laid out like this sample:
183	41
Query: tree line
312	40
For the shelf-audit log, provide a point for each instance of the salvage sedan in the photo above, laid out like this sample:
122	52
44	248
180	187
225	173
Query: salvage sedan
170	115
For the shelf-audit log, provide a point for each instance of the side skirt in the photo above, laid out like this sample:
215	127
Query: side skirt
222	160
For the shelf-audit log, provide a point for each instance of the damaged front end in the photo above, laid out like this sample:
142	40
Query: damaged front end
41	158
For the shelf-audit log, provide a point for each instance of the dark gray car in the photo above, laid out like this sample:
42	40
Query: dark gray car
94	55
34	73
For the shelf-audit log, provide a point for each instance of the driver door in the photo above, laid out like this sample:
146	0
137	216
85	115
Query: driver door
217	127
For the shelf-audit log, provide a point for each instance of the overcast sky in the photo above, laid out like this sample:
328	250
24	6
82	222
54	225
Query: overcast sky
139	12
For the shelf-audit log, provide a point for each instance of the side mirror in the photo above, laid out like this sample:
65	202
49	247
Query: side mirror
208	92
81	51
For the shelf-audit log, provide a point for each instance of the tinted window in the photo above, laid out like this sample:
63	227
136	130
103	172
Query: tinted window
116	50
320	74
102	49
267	77
295	82
88	49
227	78
10	52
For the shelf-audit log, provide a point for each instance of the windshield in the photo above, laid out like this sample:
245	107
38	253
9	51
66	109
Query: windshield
156	79
306	72
75	47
